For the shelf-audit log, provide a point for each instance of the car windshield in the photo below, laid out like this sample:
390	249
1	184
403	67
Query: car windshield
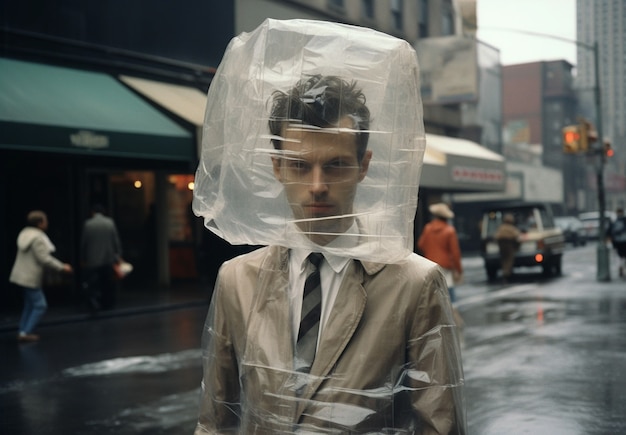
563	222
525	219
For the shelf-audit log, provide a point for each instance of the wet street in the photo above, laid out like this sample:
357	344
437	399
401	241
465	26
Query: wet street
541	356
547	356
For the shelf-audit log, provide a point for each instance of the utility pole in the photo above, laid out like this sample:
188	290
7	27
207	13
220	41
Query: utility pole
603	272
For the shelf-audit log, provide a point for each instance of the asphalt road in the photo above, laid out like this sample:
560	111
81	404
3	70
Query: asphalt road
546	356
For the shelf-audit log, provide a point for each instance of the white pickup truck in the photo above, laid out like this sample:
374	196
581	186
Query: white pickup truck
541	242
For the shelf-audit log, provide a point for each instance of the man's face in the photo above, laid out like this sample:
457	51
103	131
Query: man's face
320	172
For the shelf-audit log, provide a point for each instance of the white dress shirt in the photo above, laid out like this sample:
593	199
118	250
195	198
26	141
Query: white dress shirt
332	270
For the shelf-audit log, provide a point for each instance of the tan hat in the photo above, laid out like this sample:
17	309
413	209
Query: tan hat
441	210
508	218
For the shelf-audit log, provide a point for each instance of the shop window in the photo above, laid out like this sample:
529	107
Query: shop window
180	216
336	4
368	9
422	23
182	226
396	14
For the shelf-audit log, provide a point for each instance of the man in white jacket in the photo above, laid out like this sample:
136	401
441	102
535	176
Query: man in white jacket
34	254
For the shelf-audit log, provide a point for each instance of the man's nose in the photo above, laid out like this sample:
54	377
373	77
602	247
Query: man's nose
319	183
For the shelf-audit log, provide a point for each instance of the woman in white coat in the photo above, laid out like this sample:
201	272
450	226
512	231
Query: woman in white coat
34	254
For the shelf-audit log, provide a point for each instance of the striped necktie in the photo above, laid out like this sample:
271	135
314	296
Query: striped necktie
310	318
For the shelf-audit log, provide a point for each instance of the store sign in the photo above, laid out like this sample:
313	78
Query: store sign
468	174
89	140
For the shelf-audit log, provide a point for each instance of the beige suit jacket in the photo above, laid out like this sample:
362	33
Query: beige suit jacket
388	359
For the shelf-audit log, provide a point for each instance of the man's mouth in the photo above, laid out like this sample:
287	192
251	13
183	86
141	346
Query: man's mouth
319	208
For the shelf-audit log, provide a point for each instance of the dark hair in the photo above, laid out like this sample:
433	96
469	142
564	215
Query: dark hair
98	208
321	101
35	217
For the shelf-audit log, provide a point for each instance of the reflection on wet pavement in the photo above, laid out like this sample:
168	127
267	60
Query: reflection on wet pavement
548	358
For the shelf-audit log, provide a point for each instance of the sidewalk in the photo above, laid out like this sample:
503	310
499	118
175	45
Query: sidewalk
129	301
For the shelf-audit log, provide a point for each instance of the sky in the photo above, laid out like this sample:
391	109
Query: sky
499	19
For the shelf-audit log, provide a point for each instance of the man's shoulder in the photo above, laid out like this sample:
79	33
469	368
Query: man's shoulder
412	280
252	260
99	221
412	267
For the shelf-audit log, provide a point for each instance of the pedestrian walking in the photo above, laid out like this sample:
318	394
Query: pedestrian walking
617	233
100	249
439	243
508	237
34	254
335	326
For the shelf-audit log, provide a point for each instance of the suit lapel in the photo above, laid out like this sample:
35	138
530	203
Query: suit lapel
270	343
342	323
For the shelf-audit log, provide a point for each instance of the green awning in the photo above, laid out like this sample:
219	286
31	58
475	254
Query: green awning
56	109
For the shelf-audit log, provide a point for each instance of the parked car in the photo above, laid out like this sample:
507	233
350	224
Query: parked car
573	229
591	222
542	241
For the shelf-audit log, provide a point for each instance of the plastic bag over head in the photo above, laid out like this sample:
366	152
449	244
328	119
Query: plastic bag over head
314	130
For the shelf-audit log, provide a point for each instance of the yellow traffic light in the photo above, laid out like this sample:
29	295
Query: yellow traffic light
571	139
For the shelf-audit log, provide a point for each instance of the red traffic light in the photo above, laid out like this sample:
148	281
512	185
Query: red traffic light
571	136
572	139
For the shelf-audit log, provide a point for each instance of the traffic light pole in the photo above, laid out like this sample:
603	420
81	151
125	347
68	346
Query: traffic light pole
603	272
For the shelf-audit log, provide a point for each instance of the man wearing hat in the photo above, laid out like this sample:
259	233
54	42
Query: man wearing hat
507	236
439	243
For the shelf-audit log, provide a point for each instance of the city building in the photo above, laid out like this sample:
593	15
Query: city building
604	23
538	101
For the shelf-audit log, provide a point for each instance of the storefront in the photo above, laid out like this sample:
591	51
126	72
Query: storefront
453	166
70	138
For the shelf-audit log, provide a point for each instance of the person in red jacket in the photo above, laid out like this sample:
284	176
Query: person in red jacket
439	243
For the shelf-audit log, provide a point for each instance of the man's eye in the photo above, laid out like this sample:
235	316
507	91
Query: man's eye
297	165
337	165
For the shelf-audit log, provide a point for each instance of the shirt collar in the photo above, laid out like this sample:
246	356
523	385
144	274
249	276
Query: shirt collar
336	262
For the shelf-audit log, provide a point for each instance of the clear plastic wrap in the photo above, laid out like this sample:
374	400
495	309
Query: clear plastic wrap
236	190
388	357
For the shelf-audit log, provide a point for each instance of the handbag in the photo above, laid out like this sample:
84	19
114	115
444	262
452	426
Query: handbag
121	269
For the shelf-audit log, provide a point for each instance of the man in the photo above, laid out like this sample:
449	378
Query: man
100	249
439	243
507	235
381	361
34	254
618	239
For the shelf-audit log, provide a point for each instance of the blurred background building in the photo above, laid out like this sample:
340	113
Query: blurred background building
604	22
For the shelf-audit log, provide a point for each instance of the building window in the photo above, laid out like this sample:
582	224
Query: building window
335	4
422	23
396	13
447	21
368	9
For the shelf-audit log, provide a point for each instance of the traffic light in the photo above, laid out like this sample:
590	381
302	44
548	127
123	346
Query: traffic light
586	135
608	150
571	139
